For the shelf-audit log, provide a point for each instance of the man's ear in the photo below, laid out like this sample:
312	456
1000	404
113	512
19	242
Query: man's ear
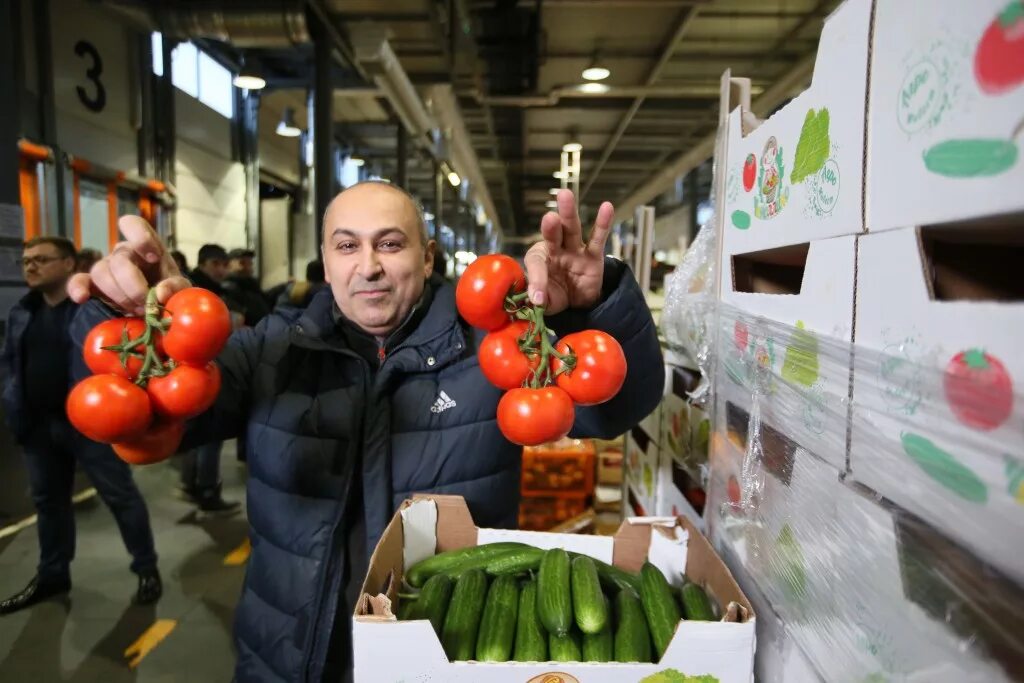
428	259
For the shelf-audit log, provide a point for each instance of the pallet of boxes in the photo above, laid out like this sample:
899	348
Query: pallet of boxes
446	601
867	456
557	483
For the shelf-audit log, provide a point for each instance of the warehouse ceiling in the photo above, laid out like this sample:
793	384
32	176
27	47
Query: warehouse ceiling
515	68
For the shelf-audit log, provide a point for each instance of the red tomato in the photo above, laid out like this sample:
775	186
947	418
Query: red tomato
978	389
156	444
109	333
185	391
200	325
480	294
530	417
749	172
999	57
733	490
600	367
108	408
501	361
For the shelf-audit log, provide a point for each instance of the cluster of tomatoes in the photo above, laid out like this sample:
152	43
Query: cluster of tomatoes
150	374
543	379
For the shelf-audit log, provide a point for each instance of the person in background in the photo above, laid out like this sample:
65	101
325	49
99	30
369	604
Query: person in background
243	289
297	295
180	259
38	353
86	259
440	261
200	468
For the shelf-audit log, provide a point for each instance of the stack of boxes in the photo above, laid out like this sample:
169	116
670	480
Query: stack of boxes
557	483
867	461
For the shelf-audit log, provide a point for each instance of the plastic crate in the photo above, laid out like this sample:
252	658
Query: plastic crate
558	469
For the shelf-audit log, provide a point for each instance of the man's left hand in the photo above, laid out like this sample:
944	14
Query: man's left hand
563	270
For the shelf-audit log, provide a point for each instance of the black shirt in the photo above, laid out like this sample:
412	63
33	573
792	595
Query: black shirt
46	349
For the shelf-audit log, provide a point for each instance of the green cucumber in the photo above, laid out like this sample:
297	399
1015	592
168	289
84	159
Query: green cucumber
418	574
660	606
498	624
458	637
696	603
565	648
614	579
433	601
405	609
516	562
587	599
599	647
554	602
632	638
531	639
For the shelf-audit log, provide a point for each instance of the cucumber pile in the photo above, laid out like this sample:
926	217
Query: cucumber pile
510	601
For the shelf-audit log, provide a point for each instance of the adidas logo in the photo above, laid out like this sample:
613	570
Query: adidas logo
442	403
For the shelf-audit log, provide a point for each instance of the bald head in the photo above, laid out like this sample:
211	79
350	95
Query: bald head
376	255
365	189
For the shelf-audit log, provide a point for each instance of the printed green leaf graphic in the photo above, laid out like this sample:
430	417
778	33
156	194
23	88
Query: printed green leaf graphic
801	363
813	148
971	158
944	468
791	563
676	676
741	219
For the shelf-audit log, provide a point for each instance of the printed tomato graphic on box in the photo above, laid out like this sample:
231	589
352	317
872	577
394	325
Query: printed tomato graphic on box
999	59
978	389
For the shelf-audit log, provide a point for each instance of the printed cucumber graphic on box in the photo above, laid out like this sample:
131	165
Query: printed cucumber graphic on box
944	468
676	676
999	69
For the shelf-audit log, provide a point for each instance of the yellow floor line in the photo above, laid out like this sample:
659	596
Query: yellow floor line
239	555
12	529
149	639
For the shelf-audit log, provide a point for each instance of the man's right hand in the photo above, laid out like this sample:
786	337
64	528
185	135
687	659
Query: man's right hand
124	277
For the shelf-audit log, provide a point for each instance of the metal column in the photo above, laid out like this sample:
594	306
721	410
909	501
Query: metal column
402	152
323	122
48	116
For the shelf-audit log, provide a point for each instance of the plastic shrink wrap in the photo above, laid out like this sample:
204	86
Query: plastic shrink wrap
923	584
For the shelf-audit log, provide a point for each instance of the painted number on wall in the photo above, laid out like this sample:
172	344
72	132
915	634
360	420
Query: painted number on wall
94	97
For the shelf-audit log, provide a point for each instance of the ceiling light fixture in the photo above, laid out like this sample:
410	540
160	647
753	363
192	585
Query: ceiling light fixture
596	73
249	78
356	161
594	88
572	147
454	179
287	127
554	190
551	205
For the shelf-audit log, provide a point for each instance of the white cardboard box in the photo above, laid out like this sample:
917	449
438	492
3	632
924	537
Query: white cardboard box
670	499
808	384
641	467
946	113
798	177
724	650
937	452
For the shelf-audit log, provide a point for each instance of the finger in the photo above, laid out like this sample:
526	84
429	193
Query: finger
105	286
165	289
602	228
536	260
79	287
142	238
572	229
128	276
551	230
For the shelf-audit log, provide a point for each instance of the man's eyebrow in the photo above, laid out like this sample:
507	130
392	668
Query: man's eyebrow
376	235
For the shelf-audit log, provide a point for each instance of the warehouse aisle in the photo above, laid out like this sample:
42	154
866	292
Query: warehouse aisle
84	637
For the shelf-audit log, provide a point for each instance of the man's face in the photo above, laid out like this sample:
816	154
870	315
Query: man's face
242	266
374	258
45	268
216	268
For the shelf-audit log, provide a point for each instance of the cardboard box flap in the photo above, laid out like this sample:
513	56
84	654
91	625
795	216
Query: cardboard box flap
454	528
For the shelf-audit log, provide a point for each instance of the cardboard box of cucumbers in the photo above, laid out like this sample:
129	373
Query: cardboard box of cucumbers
444	600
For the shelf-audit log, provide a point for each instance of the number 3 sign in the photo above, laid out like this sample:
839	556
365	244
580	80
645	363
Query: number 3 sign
98	100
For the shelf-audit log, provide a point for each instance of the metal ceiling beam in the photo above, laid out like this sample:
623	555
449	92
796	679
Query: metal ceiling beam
797	77
682	26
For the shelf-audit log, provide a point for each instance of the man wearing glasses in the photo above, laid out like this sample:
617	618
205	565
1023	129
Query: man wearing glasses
38	355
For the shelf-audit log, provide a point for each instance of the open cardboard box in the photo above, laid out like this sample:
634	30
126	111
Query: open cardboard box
390	650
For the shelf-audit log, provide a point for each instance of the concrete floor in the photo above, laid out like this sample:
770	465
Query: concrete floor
83	637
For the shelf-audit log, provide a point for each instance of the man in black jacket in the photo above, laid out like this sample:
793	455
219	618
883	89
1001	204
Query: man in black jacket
243	289
339	403
38	355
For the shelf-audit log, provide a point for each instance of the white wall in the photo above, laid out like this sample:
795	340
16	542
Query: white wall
275	237
106	137
211	187
278	155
